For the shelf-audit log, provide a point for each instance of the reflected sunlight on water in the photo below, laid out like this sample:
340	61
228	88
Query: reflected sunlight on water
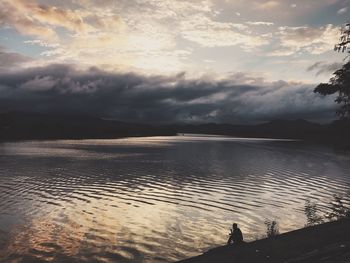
156	199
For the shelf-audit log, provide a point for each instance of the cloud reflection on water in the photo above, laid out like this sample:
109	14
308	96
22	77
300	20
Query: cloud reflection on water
155	199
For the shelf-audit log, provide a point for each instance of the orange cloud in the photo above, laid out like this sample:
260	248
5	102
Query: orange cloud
9	16
31	18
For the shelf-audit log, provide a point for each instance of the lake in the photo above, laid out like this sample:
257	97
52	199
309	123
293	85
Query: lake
155	199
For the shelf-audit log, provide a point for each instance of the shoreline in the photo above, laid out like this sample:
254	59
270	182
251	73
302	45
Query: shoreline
326	243
79	138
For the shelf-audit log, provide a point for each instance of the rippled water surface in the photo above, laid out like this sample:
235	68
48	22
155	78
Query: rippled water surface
156	199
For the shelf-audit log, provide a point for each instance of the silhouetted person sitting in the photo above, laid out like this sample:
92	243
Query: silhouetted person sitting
236	236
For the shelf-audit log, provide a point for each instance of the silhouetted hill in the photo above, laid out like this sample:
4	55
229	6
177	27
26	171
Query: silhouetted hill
15	125
295	129
336	133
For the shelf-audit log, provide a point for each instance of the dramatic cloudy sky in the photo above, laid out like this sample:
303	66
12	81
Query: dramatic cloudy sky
237	61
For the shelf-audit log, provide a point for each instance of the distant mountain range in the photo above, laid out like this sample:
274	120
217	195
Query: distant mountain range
18	126
26	126
336	133
292	129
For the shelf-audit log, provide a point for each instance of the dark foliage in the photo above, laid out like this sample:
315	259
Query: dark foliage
272	228
339	83
311	212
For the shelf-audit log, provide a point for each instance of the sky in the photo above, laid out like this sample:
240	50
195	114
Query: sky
164	61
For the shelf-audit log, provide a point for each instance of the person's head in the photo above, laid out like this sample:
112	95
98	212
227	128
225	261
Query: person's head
234	226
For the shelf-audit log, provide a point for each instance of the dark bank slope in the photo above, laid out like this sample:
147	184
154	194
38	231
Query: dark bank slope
326	243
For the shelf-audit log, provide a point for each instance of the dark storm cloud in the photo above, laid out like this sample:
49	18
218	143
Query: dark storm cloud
133	97
322	67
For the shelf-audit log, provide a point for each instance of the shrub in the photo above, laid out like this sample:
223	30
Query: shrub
311	212
272	228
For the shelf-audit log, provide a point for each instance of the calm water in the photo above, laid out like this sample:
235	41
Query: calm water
156	199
